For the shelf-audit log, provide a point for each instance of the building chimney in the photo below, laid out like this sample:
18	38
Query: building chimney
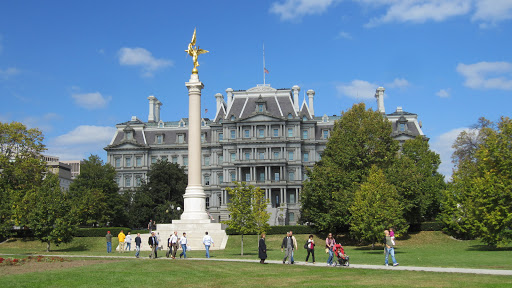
220	99
296	90
311	95
158	104
229	93
151	116
379	94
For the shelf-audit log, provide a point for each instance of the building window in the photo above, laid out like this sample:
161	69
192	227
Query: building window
260	107
304	118
181	138
128	162
262	176
247	155
290	155
290	132
246	133
161	125
221	136
291	217
220	178
290	116
261	133
319	156
203	123
232	134
182	124
233	157
118	162
402	127
117	181
175	159
207	202
153	160
164	158
261	155
276	155
206	160
159	139
203	137
185	160
306	157
138	181
221	159
325	134
233	176
276	132
292	199
207	180
233	118
291	176
276	176
325	119
127	181
304	134
138	161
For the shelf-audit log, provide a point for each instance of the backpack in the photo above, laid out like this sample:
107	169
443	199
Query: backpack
306	245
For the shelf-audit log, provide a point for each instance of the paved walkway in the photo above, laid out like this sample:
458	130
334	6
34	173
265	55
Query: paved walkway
318	264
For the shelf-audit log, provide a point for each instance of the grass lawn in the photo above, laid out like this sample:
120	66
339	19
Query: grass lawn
180	273
429	249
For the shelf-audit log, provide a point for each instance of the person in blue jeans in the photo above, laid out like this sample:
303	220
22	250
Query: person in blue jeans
138	240
329	244
183	244
389	249
207	241
109	242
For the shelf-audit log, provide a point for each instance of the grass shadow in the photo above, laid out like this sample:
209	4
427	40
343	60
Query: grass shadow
487	248
76	248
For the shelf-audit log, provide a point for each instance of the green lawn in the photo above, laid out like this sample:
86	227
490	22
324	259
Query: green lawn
422	249
154	273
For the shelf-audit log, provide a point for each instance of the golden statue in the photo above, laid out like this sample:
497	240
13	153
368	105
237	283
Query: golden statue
194	52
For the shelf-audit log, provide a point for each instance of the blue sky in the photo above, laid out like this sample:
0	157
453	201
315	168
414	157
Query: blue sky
74	69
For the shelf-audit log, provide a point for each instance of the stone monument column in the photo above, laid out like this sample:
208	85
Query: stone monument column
194	198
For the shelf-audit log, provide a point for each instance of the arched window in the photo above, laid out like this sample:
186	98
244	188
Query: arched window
290	116
233	118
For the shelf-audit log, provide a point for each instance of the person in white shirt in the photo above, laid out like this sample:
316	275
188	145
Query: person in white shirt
128	241
183	244
207	241
174	244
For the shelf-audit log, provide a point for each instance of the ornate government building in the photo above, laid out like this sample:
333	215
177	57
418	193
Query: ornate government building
263	136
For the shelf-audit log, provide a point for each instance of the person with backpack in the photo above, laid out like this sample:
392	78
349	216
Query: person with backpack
310	246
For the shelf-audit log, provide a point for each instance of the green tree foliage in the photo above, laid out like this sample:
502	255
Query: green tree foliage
247	209
159	197
376	207
50	217
21	172
479	201
360	139
414	174
95	195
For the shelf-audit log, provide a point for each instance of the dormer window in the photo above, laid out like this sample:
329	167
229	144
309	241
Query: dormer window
260	107
290	116
182	123
203	123
128	133
159	139
402	124
325	119
304	118
161	124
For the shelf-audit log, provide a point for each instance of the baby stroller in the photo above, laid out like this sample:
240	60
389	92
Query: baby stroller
340	254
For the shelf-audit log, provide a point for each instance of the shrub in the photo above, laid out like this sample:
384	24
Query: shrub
297	229
100	232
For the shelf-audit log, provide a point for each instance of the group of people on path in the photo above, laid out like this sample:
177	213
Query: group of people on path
289	246
173	244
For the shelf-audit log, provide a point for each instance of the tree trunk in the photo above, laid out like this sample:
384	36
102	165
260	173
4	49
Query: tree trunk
373	246
48	246
242	251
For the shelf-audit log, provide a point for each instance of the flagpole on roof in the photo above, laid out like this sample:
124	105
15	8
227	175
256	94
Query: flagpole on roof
264	63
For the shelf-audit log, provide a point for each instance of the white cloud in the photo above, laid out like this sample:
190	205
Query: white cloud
443	146
294	10
487	75
344	35
358	89
419	11
443	93
43	123
144	58
398	83
492	11
7	73
91	100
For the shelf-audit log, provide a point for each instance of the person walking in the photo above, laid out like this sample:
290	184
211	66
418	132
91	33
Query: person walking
183	244
109	241
153	243
138	241
288	245
262	249
207	241
128	241
389	249
150	225
310	246
121	238
294	241
169	247
174	244
329	244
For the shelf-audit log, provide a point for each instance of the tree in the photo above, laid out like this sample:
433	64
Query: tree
359	140
247	208
21	172
480	196
95	194
376	207
50	217
414	174
159	197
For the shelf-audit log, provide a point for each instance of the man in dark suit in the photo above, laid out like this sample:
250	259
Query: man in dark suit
153	243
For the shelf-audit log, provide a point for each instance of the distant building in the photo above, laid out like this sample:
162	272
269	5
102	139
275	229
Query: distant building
75	167
66	170
262	136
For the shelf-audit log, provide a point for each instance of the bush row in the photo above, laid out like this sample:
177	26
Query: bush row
426	226
100	232
297	229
